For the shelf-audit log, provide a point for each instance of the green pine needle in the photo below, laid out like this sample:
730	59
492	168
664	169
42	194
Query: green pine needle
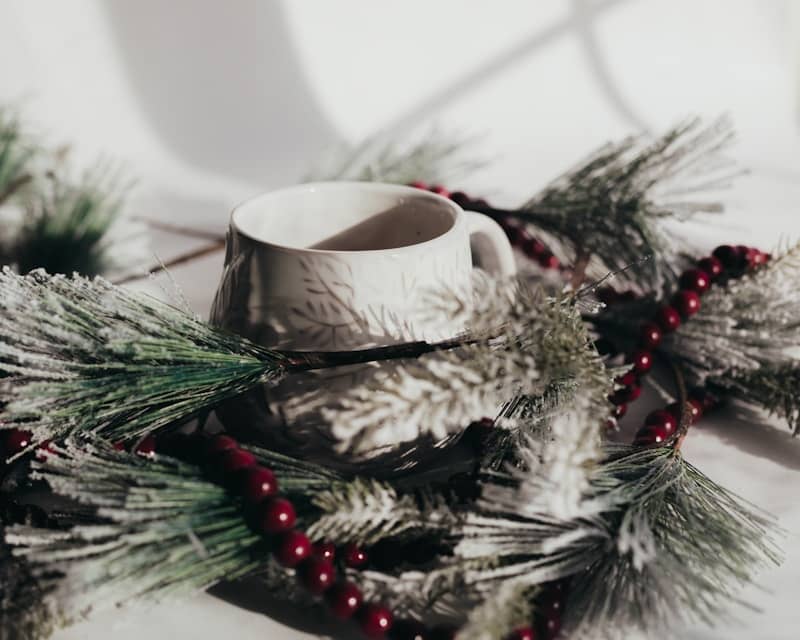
84	355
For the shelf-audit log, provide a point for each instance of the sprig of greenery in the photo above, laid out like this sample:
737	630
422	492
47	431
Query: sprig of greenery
611	205
658	543
16	152
84	355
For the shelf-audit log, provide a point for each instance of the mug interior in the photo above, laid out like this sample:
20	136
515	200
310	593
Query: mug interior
345	216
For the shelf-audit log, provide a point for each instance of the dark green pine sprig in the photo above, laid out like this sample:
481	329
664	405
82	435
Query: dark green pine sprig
82	354
16	152
67	226
609	209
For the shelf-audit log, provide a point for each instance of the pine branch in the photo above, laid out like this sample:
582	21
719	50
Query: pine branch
68	227
161	531
657	544
367	511
534	341
84	355
504	610
611	205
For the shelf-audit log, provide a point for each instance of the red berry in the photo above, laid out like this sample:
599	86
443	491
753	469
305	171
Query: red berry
237	459
552	627
259	483
146	447
16	441
522	633
625	395
317	575
663	419
650	336
460	198
548	261
344	599
292	548
729	256
706	399
409	630
354	556
439	190
712	267
695	280
418	184
642	361
220	444
695	408
533	248
619	410
758	259
325	550
686	302
375	620
668	319
651	434
43	449
628	378
277	515
119	446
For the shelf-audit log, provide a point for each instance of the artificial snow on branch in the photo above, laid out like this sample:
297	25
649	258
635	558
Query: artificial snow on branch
611	205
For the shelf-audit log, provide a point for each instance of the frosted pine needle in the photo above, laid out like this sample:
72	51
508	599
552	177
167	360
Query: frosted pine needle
81	354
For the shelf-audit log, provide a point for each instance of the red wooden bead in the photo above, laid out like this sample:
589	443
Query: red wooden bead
440	190
409	630
220	444
628	378
695	408
237	459
146	447
259	483
292	548
119	446
317	575
533	248
695	280
663	419
552	627
706	399
375	620
344	599
325	550
712	267
668	319
619	410
460	198
627	394
729	256
16	441
642	361
522	633
43	449
650	336
759	258
418	184
686	302
548	261
651	434
277	515
354	556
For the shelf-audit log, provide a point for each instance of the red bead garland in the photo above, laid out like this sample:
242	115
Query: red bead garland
726	262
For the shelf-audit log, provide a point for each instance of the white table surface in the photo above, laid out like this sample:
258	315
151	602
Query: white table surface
208	103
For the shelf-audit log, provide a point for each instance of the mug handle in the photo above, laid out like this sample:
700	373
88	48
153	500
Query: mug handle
491	250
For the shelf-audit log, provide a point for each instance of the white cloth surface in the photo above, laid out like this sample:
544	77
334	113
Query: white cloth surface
209	102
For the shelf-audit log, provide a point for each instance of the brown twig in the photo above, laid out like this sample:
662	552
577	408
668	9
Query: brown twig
310	360
181	231
685	421
178	260
582	258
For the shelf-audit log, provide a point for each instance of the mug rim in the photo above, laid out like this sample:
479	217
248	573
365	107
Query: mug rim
458	215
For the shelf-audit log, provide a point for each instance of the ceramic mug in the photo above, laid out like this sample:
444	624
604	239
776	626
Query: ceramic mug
344	265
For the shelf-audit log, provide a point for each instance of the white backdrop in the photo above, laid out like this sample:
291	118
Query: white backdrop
208	102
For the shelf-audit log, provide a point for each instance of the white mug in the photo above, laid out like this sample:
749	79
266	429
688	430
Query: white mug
344	265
